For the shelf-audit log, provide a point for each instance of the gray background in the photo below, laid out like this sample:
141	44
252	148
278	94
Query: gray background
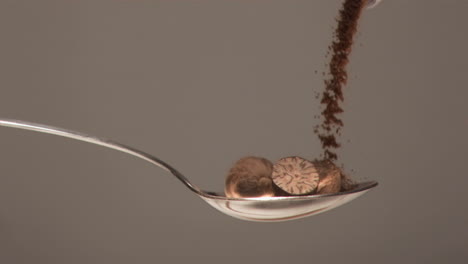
203	83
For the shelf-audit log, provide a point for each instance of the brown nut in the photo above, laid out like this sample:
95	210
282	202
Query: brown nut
295	176
250	177
330	177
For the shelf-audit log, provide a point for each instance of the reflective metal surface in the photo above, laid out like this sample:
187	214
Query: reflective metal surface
252	209
273	209
372	3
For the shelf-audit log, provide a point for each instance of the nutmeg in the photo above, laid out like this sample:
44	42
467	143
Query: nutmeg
295	176
330	177
250	177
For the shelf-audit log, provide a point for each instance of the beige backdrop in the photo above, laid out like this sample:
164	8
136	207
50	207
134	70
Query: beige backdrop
200	83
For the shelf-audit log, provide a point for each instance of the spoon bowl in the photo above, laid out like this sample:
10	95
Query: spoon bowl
263	209
275	209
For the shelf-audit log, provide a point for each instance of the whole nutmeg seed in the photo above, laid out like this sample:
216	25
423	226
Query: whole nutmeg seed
250	177
330	177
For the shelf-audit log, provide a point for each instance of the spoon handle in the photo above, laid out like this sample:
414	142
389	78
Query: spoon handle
101	142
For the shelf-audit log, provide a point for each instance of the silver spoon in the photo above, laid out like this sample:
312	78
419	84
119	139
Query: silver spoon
252	209
372	3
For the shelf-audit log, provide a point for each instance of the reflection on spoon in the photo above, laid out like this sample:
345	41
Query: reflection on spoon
372	3
266	209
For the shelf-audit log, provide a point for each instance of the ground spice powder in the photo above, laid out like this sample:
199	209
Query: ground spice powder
332	96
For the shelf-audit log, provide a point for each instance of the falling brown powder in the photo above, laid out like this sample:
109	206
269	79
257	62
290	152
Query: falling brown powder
332	97
295	175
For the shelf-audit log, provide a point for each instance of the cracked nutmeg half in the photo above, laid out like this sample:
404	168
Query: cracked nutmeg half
295	176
